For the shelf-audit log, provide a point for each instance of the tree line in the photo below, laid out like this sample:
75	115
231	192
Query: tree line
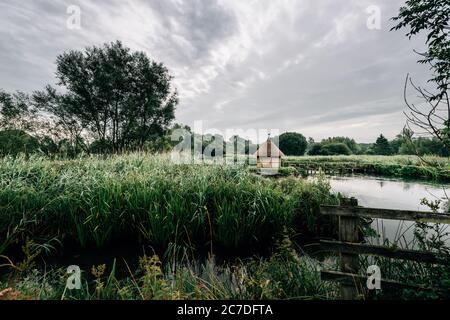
295	144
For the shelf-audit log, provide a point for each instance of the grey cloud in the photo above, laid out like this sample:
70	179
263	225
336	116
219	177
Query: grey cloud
311	66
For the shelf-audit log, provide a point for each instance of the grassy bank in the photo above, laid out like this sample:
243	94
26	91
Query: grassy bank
428	167
49	208
172	214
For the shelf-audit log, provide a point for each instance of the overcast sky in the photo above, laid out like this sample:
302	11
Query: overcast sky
311	66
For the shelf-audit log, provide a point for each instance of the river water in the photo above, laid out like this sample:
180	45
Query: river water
388	193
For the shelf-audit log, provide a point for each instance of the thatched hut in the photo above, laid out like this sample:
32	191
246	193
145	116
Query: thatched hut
268	156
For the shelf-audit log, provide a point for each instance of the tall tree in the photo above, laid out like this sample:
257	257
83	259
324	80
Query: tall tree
293	143
382	146
121	97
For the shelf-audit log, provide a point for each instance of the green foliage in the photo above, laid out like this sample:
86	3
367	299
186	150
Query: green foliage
48	146
240	145
335	149
424	146
330	148
431	17
292	144
284	275
16	111
405	143
350	143
334	146
434	277
287	171
118	96
14	142
382	147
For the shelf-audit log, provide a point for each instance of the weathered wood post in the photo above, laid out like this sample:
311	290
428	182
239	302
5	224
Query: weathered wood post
349	263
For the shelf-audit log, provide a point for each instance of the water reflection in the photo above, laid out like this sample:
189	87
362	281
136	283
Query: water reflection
390	194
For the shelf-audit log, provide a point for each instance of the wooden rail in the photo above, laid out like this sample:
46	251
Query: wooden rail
359	281
349	247
374	213
374	250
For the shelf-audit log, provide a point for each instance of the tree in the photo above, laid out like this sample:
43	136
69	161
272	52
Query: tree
121	98
432	17
14	142
382	147
335	148
351	144
408	148
424	146
48	146
433	117
16	111
292	144
63	111
329	149
402	141
315	149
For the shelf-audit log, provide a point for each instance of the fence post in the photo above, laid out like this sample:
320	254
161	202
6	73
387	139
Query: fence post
349	263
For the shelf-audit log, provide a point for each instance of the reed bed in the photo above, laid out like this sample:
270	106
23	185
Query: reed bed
96	201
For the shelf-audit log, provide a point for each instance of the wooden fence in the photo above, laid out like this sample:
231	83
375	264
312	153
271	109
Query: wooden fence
349	246
330	167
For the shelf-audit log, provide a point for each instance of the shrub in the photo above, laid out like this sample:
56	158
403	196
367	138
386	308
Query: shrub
14	142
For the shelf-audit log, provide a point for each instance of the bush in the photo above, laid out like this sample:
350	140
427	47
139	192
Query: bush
330	149
14	142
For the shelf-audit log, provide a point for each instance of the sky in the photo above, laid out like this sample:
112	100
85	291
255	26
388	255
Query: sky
319	67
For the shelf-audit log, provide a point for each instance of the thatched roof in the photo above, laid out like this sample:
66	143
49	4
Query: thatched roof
269	149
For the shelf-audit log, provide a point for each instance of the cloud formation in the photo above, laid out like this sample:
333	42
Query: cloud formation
308	66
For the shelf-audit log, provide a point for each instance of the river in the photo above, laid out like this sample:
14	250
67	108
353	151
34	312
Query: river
388	193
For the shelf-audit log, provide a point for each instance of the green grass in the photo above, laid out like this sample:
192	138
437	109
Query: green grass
427	167
96	201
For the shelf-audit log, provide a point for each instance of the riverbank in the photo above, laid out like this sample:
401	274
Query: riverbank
427	167
184	231
165	210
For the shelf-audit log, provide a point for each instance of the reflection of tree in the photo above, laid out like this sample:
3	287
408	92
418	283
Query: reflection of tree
406	187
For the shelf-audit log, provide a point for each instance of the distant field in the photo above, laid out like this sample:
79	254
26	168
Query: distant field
427	167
